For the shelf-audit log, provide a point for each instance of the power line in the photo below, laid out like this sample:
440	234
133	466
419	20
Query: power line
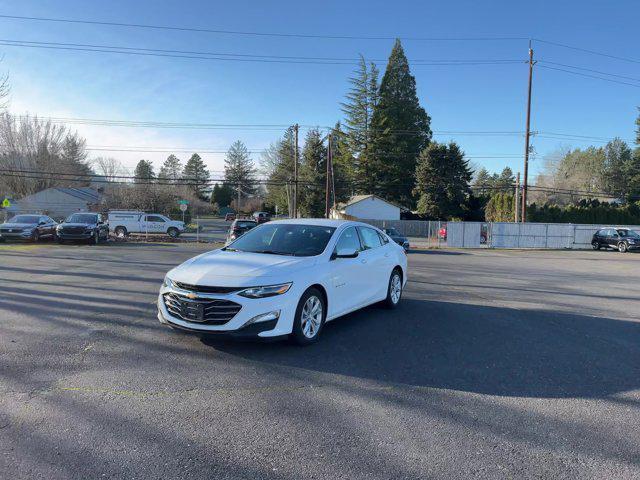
240	57
590	70
255	33
584	50
590	76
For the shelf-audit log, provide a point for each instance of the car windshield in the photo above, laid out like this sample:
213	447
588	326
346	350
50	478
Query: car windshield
391	231
25	219
245	224
284	239
629	233
82	218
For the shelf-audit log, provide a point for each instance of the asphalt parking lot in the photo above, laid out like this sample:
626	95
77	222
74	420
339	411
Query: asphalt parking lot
498	364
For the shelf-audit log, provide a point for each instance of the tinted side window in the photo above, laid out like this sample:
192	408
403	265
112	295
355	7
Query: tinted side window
154	218
370	238
349	240
383	238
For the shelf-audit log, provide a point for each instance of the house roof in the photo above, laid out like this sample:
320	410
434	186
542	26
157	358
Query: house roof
359	198
84	193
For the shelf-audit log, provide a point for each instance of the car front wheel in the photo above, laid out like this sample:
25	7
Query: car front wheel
173	232
310	316
622	247
394	290
596	246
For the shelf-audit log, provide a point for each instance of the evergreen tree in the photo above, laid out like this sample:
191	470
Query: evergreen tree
222	195
505	180
616	172
400	130
442	181
277	162
500	208
344	166
313	175
144	172
358	110
197	175
638	128
483	181
239	169
170	170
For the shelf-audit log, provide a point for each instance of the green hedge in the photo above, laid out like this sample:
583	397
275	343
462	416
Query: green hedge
586	211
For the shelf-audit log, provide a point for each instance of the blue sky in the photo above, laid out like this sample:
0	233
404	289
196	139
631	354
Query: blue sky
458	98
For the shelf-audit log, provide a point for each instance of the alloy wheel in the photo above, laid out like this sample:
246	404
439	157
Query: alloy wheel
396	288
311	317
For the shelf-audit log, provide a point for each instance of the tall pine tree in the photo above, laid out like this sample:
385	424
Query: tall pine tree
313	175
239	169
144	172
344	165
277	163
196	174
358	110
442	181
171	169
400	130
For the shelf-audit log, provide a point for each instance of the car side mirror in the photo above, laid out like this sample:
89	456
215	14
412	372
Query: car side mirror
344	253
42	223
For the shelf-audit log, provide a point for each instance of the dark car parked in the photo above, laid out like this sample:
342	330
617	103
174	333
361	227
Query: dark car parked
28	227
239	227
398	238
88	227
622	239
261	217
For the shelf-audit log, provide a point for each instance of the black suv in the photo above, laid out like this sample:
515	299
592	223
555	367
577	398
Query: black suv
622	239
397	237
83	226
28	227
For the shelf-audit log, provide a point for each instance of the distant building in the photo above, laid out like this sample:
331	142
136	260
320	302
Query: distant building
58	202
370	207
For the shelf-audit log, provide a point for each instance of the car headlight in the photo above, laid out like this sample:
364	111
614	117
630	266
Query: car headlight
167	282
266	291
631	241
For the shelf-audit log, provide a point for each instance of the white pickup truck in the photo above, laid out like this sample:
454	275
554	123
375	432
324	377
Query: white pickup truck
122	223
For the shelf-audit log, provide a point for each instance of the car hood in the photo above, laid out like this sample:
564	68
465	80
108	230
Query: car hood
18	225
224	268
77	224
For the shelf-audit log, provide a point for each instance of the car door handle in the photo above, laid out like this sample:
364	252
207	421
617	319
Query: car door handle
363	260
386	254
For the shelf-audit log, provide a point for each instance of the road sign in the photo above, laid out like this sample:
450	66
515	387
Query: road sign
6	203
183	202
183	207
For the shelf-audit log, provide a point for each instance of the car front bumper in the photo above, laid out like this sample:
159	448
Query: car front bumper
74	236
17	235
238	326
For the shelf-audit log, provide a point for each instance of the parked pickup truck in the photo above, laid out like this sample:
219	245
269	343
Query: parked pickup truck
122	223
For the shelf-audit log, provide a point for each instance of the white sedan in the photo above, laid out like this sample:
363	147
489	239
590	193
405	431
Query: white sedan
285	277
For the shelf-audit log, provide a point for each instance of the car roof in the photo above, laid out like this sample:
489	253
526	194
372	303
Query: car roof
322	222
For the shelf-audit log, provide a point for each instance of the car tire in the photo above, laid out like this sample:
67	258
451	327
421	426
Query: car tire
36	236
120	232
310	317
173	232
596	246
622	247
394	289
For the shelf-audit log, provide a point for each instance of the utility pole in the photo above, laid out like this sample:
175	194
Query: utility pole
517	199
327	205
296	127
526	139
238	201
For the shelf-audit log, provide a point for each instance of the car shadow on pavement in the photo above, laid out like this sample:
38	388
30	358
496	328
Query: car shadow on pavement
437	251
471	348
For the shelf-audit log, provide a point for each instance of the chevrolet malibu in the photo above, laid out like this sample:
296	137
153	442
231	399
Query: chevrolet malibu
284	278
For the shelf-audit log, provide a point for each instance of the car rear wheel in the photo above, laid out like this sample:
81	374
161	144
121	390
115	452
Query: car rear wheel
596	246
120	232
622	247
173	232
310	317
394	290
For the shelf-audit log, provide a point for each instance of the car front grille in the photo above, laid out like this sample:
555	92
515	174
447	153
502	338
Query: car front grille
205	311
10	230
73	230
206	289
